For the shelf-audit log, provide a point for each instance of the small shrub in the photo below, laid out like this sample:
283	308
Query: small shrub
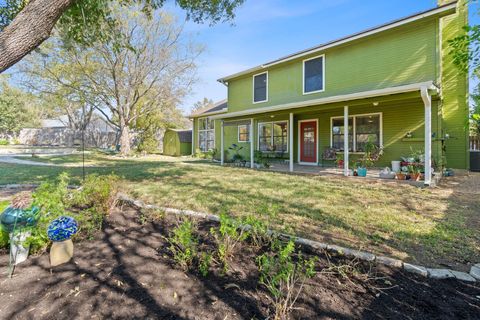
4	142
183	244
229	235
4	238
204	262
284	277
88	205
97	192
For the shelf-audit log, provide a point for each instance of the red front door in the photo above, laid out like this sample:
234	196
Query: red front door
308	141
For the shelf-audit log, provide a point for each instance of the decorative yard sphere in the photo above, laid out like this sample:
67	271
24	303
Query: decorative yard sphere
14	218
62	228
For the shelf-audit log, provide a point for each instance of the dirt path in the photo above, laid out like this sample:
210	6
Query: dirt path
126	273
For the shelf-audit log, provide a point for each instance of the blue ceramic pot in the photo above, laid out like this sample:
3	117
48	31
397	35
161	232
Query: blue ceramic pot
362	172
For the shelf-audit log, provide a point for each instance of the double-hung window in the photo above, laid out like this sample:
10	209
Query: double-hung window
314	75
361	129
244	133
273	136
206	134
260	87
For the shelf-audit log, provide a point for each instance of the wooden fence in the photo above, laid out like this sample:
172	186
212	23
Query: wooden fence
475	143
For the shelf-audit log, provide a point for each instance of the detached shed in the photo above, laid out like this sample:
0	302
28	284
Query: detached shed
177	142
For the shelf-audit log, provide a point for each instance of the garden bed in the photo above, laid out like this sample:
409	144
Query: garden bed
127	271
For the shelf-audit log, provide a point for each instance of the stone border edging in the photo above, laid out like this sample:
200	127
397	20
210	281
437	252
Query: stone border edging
433	273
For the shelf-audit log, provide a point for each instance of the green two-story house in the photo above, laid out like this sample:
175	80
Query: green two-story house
395	85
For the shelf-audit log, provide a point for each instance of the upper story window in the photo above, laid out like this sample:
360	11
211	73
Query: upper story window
206	134
314	75
260	87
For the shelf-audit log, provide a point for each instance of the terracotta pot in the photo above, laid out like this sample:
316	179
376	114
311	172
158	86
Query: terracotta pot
415	176
401	176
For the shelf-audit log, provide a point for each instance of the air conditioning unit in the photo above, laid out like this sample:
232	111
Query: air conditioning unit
475	161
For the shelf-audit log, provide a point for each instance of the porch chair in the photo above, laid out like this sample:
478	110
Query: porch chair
329	154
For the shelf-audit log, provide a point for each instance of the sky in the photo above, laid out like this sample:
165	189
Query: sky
264	30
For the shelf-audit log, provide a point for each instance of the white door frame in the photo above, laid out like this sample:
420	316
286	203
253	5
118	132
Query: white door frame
299	142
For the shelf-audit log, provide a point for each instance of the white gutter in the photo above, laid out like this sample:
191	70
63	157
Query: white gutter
340	98
427	100
335	43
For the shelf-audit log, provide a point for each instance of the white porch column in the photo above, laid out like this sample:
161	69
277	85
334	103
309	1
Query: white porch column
290	144
252	144
222	151
427	101
345	141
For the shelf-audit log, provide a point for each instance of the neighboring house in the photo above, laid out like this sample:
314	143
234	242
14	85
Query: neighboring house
177	142
395	84
57	132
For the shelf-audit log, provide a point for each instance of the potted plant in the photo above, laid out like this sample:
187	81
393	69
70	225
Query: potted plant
339	161
237	157
371	154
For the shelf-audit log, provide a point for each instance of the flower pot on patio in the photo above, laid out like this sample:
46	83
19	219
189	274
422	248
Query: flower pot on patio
401	176
362	172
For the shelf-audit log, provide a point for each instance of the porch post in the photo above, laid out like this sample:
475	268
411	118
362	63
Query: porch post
290	144
427	101
252	145
345	141
222	152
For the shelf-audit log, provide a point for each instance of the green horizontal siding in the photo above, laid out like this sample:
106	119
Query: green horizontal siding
405	55
398	117
455	94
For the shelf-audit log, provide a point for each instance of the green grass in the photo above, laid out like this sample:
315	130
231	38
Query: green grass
420	225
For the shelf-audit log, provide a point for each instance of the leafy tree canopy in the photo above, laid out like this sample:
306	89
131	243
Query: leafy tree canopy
84	21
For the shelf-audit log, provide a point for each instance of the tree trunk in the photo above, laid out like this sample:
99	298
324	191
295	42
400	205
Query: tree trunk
125	141
29	29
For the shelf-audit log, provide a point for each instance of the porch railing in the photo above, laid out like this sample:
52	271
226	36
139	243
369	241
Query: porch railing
475	143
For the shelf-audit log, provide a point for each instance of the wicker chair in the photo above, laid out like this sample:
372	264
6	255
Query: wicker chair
329	154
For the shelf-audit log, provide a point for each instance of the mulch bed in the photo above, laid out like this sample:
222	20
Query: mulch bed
126	272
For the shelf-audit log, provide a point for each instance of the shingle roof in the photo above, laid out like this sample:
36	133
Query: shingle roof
215	108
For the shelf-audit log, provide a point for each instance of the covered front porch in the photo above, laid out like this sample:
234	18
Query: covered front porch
300	137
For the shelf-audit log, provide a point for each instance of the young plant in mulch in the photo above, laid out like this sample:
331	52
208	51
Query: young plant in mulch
89	205
183	244
228	237
284	274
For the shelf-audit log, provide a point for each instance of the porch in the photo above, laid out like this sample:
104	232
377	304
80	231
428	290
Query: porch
299	136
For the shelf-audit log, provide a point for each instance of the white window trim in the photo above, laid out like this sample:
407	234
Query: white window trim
272	122
253	88
238	133
353	116
317	141
205	130
323	74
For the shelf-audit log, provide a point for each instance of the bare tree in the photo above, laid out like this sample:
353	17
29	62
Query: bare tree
156	70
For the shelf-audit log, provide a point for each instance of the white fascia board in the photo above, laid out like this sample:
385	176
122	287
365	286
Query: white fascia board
335	99
207	114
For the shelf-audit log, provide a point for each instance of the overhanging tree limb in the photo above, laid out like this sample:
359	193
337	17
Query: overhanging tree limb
26	32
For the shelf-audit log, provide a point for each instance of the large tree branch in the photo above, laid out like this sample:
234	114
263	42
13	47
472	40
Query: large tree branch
29	29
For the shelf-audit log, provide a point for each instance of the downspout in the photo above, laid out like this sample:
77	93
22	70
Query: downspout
427	101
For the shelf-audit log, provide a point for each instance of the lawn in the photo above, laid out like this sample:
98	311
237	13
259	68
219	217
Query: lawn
436	227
